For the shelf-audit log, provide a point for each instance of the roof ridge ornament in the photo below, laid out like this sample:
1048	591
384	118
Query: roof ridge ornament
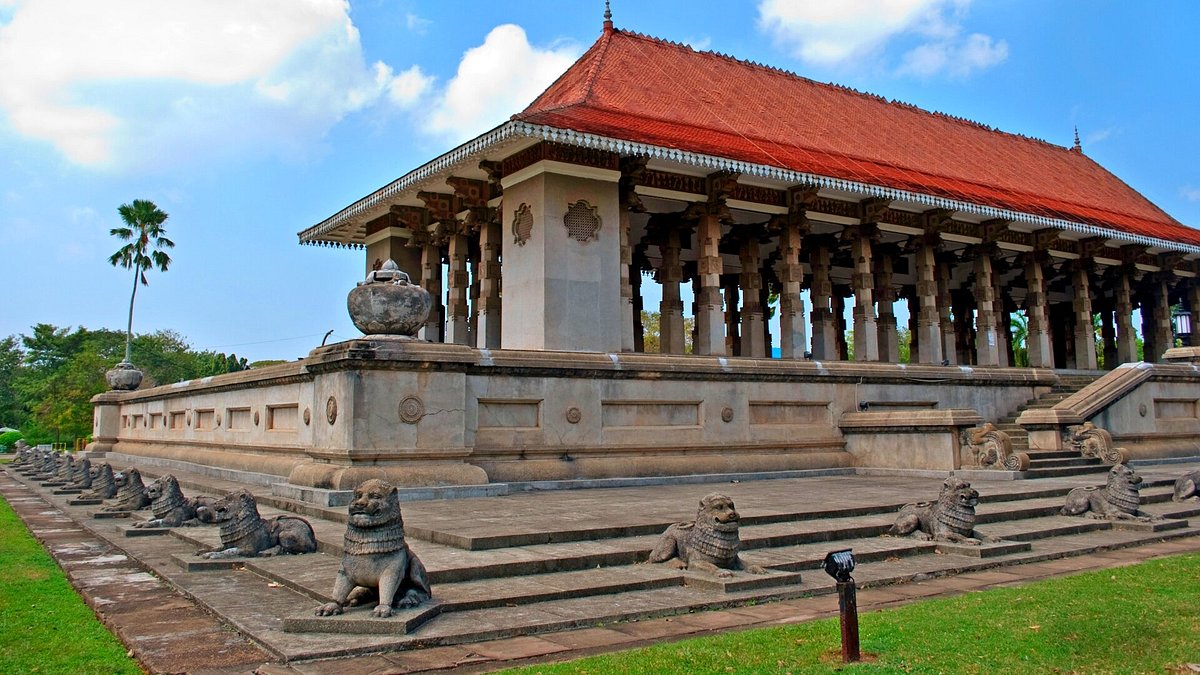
1077	148
608	22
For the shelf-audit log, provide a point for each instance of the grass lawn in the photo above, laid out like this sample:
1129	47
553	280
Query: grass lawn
45	627
1139	619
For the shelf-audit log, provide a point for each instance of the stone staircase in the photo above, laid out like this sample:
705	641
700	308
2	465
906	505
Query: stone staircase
550	561
1043	464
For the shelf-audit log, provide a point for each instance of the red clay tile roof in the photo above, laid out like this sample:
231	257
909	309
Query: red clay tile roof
636	88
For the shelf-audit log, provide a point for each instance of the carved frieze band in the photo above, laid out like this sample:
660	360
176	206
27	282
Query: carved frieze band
558	152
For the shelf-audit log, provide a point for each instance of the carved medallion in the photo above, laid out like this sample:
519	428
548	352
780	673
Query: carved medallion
331	410
307	417
255	418
189	419
218	420
727	414
522	224
582	221
411	410
574	415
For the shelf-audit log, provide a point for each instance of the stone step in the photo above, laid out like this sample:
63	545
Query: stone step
1061	472
1052	462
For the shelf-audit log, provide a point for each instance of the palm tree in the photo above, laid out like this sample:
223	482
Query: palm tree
147	239
1020	332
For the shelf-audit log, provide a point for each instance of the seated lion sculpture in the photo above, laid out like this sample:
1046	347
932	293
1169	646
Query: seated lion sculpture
245	533
1120	499
81	478
951	518
104	483
170	507
377	563
131	492
710	543
1187	487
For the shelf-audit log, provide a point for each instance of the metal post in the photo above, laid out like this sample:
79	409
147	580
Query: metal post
848	609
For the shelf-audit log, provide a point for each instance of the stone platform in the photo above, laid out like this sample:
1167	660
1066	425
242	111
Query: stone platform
545	562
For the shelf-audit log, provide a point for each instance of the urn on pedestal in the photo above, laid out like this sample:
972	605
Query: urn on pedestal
123	377
388	303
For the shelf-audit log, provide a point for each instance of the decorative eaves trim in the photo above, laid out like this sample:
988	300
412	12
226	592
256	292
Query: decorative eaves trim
547	133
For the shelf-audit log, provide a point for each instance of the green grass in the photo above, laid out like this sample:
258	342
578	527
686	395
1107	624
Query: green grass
1139	619
45	627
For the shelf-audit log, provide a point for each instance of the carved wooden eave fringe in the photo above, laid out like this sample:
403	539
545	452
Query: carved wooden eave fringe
473	151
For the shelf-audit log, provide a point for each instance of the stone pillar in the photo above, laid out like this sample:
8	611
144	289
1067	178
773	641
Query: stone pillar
964	328
490	246
1164	334
1108	335
1081	305
914	332
866	330
928	332
733	335
824	343
1193	307
639	330
1126	337
885	296
710	321
475	265
431	281
793	338
670	317
987	337
750	280
839	323
1003	322
1037	339
457	309
945	318
628	306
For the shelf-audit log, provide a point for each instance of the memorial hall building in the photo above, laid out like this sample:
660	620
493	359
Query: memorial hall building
750	191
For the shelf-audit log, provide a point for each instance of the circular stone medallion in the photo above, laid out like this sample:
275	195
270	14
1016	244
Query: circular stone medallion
574	415
331	410
727	414
412	409
307	417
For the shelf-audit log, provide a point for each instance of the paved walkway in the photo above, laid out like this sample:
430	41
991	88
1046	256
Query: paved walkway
169	633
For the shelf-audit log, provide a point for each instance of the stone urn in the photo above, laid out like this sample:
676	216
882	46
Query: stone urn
123	377
388	303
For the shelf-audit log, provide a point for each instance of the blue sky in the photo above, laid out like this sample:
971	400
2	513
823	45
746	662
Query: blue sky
248	122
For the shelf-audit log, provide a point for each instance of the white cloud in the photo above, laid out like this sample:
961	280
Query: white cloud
494	80
131	83
416	23
1100	136
852	31
409	86
1190	193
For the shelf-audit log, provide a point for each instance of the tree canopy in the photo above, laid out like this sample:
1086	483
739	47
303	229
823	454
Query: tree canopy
47	378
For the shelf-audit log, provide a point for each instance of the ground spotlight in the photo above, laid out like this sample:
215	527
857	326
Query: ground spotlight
863	405
945	362
839	565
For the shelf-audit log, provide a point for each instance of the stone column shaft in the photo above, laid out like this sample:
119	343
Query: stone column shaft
1108	335
458	320
824	343
928	335
431	281
987	338
1126	337
1164	333
866	335
628	307
1037	339
793	338
945	316
1081	304
490	246
710	321
885	297
753	343
670	319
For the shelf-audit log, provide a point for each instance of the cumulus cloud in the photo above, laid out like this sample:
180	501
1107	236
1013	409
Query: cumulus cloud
851	31
495	80
140	81
1190	193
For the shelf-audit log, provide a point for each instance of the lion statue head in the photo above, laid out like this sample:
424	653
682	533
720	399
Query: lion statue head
1123	489
957	502
717	512
376	503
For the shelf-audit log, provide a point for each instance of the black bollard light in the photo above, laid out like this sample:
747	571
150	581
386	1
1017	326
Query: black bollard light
839	565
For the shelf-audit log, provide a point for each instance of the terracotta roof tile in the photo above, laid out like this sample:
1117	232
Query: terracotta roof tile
642	89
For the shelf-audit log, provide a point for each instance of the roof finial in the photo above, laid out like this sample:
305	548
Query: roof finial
608	24
1077	148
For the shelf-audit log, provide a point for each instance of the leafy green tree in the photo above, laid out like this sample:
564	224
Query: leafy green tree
1020	335
12	360
147	238
651	332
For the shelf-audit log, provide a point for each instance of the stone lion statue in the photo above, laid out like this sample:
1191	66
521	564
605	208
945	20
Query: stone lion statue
993	448
1187	487
1120	499
245	533
377	563
951	518
170	507
131	492
104	483
1092	441
81	478
709	543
